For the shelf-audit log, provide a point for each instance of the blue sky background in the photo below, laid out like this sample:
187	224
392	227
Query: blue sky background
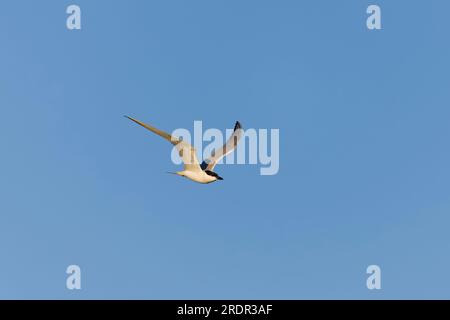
364	125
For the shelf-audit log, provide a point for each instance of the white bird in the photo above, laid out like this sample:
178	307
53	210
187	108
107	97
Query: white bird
192	169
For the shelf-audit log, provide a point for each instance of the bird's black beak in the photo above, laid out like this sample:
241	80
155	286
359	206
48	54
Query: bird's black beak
219	178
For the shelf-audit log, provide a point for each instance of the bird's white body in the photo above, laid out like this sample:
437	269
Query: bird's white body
197	176
192	169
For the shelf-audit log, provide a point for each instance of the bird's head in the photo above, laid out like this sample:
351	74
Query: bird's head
213	174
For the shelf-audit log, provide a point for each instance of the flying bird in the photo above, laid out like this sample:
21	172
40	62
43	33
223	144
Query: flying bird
193	170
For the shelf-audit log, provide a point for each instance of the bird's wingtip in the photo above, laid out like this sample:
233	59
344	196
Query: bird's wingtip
237	126
130	118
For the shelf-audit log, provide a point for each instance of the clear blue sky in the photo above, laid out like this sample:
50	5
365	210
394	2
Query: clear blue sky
364	126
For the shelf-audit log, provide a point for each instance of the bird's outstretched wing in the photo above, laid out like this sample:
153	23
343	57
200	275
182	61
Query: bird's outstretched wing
227	148
165	135
187	152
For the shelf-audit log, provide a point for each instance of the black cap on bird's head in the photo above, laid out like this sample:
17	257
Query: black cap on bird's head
213	174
